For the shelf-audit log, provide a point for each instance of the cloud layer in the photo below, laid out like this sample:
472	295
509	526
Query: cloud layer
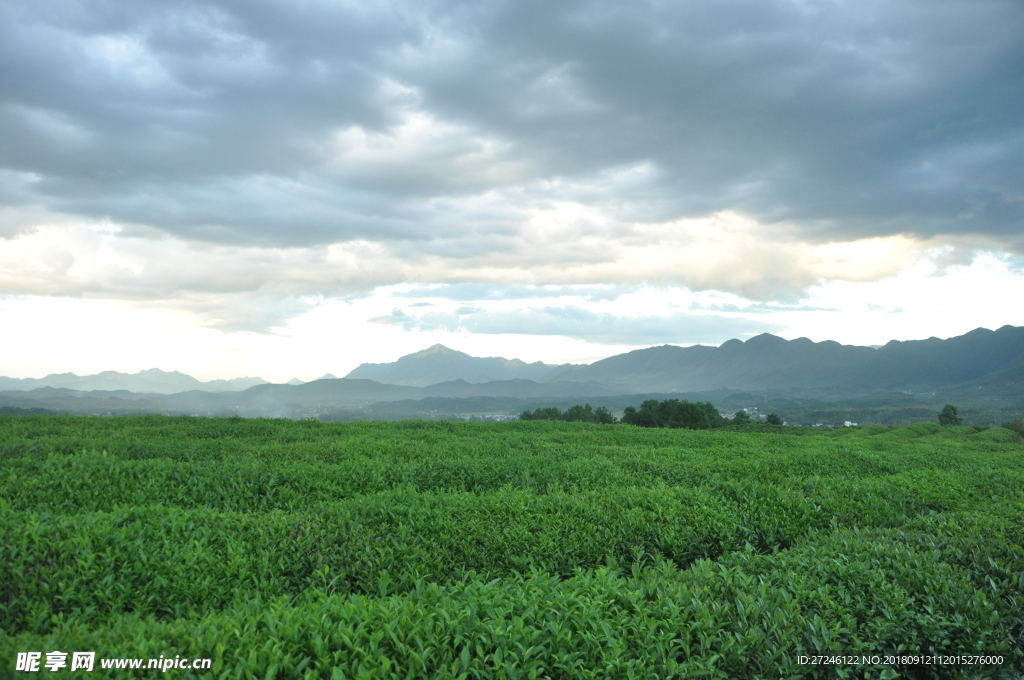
519	168
583	324
243	287
322	122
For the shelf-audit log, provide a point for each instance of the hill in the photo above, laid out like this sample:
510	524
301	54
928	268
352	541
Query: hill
770	362
440	364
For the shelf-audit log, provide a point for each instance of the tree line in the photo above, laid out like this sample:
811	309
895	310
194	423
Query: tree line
701	415
950	415
573	414
674	413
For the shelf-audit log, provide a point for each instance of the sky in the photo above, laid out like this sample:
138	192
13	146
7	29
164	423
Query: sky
285	189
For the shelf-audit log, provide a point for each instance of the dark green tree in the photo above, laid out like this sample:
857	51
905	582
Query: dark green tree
1017	425
949	416
741	418
673	413
580	414
574	414
550	413
715	418
647	416
773	419
683	414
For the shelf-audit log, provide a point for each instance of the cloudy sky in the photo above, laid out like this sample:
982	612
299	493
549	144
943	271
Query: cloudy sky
289	188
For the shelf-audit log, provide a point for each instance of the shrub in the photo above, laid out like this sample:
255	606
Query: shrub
1017	425
949	416
574	414
674	413
550	413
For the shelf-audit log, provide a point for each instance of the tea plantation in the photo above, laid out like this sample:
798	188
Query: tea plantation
301	549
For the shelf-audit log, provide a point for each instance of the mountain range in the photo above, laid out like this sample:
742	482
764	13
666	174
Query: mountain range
152	381
769	362
283	401
980	364
762	362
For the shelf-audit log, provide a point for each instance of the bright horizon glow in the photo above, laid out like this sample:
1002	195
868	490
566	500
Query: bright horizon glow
334	336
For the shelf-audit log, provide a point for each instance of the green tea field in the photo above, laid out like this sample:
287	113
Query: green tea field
301	549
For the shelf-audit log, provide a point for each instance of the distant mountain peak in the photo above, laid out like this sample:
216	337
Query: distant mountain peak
438	364
765	340
435	349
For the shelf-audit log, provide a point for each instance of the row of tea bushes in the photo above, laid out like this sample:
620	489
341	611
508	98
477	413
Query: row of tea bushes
94	480
745	615
177	562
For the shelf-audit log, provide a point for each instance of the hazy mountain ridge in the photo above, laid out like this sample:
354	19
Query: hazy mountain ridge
153	381
762	362
770	362
439	364
308	399
358	400
981	364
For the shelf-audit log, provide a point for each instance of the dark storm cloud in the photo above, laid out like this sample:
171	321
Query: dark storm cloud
316	122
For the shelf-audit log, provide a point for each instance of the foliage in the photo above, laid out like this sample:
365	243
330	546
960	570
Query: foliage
949	416
306	550
1017	425
741	417
674	413
773	419
574	414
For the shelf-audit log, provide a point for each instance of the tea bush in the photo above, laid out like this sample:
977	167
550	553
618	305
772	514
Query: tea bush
285	549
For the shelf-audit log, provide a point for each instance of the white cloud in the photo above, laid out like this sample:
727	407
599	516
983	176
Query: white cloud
923	301
535	176
423	153
258	288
